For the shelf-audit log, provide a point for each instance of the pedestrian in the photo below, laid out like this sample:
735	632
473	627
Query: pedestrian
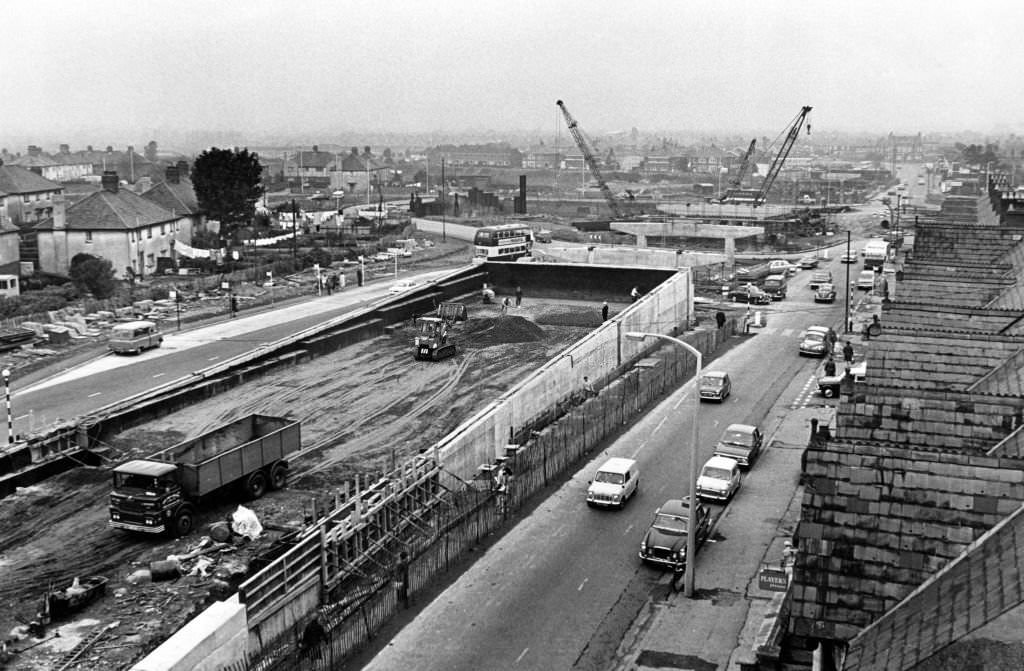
748	318
604	311
519	295
848	352
634	294
588	388
504	305
720	318
830	367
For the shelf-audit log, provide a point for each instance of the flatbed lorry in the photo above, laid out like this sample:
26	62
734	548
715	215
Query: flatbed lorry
160	494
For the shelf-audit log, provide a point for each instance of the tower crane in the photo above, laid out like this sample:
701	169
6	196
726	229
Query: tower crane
588	156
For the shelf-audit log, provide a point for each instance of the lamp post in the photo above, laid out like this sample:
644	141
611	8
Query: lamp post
7	399
846	323
691	535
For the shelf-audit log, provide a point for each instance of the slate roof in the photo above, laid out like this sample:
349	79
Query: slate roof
179	198
953	318
16	180
107	211
963	244
878	521
967	593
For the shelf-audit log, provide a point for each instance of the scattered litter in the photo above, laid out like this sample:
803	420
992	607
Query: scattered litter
202	567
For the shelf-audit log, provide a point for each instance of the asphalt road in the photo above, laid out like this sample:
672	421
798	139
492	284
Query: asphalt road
562	587
111	378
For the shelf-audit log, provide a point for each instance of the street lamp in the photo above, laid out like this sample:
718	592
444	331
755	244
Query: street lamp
691	522
7	399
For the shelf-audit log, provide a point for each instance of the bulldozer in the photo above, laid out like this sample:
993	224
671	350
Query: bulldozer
434	332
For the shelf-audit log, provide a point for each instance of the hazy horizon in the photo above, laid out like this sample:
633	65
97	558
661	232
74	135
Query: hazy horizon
112	71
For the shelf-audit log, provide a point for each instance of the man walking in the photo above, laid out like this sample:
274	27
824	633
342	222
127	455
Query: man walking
519	295
604	311
830	367
848	352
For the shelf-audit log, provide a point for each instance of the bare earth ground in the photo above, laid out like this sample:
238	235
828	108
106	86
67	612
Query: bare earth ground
367	406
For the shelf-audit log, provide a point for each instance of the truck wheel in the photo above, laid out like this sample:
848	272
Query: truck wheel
182	523
256	485
279	476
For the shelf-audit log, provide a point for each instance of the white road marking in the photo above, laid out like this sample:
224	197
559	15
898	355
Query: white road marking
96	393
580	588
660	424
213	358
627	529
788	332
521	655
159	375
22	417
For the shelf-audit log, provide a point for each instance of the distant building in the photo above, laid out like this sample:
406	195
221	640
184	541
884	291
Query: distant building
130	231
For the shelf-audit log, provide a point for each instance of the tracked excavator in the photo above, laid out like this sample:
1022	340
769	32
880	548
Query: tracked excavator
434	339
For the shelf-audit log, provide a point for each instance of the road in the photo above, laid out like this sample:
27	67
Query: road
110	378
562	587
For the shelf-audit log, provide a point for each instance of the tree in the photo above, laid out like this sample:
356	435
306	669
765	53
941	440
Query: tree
227	185
93	274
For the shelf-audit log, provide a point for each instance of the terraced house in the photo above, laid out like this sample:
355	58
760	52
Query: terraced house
911	539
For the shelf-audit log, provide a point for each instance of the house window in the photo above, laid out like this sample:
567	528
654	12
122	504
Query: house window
3	284
131	236
26	198
149	233
163	229
88	237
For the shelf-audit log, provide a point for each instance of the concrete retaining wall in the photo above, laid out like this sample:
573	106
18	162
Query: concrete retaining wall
457	231
215	638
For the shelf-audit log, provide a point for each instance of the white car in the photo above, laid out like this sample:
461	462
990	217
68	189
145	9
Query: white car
719	479
866	280
382	256
403	286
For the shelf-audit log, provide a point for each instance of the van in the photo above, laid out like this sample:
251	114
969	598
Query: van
615	482
134	337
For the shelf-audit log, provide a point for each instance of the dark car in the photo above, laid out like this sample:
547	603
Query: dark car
741	442
665	542
750	294
809	262
826	293
714	385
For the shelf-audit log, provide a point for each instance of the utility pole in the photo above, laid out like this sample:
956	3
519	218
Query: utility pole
295	235
444	202
846	322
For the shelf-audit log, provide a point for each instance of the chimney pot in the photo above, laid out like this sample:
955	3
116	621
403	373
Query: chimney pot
171	174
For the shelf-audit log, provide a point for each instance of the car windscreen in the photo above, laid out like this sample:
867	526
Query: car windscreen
814	337
713	382
670	523
736	438
717	473
610	478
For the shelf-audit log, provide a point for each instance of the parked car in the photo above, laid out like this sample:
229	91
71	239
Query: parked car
615	482
719	479
866	280
665	541
402	286
783	266
816	341
820	277
809	261
849	257
829	385
381	256
741	442
715	385
826	293
750	294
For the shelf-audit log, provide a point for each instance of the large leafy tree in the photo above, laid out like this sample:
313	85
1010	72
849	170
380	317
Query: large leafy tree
93	274
227	185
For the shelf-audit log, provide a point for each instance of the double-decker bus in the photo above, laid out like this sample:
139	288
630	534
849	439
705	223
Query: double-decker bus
505	242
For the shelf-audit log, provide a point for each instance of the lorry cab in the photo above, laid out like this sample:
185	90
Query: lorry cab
142	492
615	482
134	337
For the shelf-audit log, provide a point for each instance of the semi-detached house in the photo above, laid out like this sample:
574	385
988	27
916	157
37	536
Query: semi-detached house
116	224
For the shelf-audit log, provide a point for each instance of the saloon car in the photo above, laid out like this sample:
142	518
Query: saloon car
714	385
664	543
741	442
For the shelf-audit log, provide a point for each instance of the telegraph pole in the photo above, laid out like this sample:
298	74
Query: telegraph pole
295	235
849	289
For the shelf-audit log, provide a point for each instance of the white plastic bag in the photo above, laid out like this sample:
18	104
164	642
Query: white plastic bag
244	523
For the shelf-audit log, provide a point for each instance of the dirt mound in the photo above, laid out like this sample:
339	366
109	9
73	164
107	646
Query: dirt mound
581	316
500	330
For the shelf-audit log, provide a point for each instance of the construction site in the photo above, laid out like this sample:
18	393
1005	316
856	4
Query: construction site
364	409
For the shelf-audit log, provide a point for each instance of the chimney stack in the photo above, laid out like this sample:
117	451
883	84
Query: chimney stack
182	169
33	150
65	149
109	181
171	174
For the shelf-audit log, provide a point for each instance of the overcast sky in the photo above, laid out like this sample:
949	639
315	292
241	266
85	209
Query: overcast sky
452	65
